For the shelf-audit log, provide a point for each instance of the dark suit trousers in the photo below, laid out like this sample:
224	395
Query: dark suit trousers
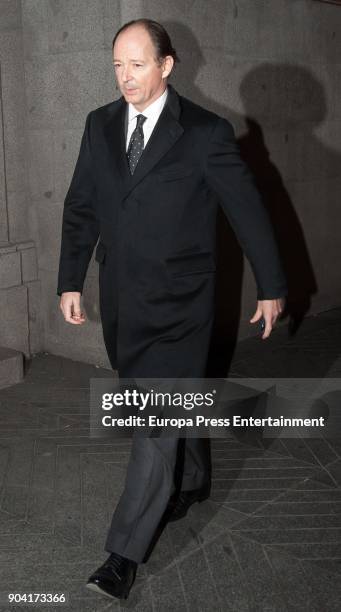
157	466
148	487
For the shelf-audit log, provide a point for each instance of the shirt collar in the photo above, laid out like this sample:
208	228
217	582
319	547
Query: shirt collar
150	110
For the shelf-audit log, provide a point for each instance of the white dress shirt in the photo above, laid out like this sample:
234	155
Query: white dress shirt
152	112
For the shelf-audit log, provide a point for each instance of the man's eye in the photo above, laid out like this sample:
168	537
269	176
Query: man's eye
138	65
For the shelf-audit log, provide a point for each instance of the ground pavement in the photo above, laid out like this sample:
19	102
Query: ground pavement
269	538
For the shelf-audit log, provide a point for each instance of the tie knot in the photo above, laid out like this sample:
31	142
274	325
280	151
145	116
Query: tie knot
140	119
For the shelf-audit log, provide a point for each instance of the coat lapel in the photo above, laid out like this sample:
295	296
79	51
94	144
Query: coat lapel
115	136
165	134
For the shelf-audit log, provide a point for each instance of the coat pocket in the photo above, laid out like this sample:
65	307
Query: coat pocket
191	263
100	252
174	175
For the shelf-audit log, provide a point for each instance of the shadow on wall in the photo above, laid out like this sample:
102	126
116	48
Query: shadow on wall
288	98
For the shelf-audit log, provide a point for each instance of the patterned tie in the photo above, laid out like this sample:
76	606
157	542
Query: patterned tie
136	144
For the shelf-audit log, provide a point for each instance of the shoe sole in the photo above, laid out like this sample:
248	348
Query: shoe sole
94	587
199	500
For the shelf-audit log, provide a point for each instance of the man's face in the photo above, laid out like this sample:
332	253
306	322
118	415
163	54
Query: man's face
139	76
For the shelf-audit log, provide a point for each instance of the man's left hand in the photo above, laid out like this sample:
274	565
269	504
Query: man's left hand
270	311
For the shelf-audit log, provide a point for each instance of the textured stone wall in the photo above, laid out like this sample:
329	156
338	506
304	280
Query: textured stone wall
68	72
273	69
270	67
20	297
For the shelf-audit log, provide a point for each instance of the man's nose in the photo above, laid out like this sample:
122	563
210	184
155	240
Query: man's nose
126	76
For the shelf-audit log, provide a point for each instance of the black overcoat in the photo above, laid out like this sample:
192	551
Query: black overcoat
157	234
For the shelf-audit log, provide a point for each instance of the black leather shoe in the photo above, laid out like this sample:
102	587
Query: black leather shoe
178	507
114	578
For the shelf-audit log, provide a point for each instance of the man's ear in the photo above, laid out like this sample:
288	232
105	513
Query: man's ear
168	63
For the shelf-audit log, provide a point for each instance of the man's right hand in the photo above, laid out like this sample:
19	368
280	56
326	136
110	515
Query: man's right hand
70	305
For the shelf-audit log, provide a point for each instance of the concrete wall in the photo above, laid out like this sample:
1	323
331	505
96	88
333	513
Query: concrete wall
68	72
20	323
269	66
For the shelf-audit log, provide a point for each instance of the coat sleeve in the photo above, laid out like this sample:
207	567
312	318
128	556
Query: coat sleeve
80	226
232	181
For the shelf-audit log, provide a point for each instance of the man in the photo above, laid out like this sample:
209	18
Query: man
152	169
